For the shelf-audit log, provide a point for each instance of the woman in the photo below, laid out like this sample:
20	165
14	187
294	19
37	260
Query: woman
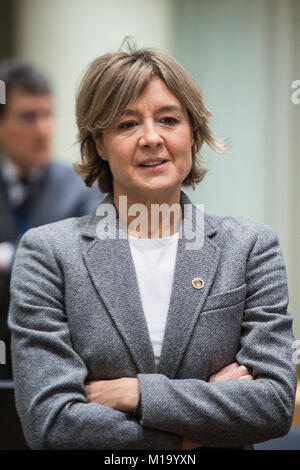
131	329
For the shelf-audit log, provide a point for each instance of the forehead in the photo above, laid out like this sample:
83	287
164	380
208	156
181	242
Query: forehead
156	94
22	100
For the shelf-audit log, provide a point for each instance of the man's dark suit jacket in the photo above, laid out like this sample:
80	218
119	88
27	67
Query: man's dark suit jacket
59	194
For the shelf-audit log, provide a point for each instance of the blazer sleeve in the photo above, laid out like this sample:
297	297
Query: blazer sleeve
238	412
49	375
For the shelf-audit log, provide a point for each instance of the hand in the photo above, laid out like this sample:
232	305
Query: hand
119	394
232	371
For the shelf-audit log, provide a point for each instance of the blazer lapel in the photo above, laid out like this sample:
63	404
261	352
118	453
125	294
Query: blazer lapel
186	301
112	271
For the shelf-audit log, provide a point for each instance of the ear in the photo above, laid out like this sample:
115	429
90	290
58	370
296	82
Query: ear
99	145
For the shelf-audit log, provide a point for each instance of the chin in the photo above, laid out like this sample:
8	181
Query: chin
41	160
162	190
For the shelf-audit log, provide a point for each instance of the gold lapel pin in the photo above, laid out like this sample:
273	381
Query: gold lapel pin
198	282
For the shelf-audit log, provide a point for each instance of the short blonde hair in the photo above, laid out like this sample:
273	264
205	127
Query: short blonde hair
114	80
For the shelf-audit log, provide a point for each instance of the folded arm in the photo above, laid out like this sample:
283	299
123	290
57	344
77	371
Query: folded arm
238	412
124	394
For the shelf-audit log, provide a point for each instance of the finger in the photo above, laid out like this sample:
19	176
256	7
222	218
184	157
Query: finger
235	370
228	369
248	377
236	373
241	371
232	366
231	371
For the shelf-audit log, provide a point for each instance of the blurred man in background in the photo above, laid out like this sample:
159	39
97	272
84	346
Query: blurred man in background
34	190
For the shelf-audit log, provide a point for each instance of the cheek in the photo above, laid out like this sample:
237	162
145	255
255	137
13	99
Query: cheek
118	164
182	142
184	154
120	155
188	164
20	135
50	129
185	159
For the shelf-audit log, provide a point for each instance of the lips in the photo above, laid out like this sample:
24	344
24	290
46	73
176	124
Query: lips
155	168
152	163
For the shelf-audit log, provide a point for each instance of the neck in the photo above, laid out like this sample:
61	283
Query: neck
149	217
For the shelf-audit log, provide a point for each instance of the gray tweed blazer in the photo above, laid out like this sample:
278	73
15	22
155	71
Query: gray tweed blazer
76	315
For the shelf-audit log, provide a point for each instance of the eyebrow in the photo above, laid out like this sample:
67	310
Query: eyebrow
130	112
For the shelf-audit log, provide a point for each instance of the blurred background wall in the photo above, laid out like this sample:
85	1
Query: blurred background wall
244	55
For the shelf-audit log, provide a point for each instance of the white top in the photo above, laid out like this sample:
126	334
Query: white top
154	261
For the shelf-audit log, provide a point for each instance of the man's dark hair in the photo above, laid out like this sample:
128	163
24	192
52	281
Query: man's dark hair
20	75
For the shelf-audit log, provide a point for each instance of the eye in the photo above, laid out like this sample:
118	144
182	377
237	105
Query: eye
127	125
169	120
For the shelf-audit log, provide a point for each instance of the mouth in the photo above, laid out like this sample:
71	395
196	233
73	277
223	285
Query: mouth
154	166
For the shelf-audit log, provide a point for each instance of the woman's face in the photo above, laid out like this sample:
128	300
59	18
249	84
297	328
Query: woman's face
154	128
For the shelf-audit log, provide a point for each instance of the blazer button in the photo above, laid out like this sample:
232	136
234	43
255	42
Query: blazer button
198	282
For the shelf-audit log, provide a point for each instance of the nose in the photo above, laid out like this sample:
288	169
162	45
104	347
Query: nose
150	137
44	125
